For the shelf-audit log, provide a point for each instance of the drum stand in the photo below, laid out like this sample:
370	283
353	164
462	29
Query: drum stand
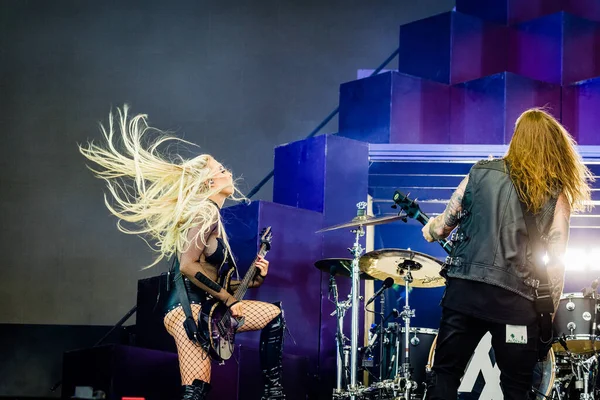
341	348
406	315
351	388
582	369
356	251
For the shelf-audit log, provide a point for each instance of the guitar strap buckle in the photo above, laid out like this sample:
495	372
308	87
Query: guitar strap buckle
453	261
531	282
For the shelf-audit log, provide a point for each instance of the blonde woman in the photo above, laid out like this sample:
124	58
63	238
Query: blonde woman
174	203
502	209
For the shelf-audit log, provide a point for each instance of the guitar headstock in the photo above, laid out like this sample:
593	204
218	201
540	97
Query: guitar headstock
266	235
409	206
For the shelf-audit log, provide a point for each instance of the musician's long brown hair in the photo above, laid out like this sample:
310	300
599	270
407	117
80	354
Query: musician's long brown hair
544	162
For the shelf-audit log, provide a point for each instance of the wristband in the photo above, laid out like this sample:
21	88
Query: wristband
232	304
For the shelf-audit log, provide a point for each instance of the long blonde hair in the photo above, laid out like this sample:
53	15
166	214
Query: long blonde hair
163	196
544	162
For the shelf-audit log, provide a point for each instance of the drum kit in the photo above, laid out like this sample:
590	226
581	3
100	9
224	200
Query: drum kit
406	353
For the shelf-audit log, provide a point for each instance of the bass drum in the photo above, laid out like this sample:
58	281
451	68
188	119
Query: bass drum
482	375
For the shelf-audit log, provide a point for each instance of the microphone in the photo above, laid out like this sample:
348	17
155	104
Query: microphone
389	281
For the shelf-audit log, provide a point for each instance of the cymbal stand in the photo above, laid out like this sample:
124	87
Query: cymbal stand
406	315
356	252
583	372
340	312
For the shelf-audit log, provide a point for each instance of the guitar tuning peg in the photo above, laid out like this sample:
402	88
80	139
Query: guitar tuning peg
404	219
394	206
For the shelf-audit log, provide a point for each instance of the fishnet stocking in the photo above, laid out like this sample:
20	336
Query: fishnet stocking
194	363
257	315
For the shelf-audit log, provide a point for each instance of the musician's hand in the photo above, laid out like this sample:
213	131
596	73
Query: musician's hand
425	230
263	266
237	310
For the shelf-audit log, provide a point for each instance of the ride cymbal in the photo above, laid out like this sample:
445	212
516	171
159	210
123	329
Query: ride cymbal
367	220
395	263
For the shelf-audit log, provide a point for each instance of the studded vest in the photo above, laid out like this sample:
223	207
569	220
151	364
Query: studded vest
491	244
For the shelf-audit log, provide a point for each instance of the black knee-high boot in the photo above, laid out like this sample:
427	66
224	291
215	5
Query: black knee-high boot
271	357
198	390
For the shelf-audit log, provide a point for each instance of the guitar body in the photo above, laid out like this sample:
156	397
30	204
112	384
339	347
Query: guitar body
215	322
217	326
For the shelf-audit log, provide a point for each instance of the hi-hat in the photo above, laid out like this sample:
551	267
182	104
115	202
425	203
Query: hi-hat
366	220
395	263
339	267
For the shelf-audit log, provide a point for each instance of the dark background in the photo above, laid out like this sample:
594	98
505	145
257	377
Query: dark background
236	77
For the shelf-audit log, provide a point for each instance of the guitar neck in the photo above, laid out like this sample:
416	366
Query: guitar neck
249	277
423	219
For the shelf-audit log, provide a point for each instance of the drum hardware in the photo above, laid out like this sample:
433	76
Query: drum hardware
358	223
401	266
578	377
405	267
571	326
584	368
341	348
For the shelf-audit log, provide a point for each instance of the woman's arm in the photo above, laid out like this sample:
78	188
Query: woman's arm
195	272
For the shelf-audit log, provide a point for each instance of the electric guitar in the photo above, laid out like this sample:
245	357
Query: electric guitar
217	324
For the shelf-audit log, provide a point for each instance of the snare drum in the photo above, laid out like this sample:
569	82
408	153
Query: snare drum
482	375
574	319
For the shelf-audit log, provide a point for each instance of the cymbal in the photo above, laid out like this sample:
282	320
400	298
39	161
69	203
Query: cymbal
367	220
394	263
339	267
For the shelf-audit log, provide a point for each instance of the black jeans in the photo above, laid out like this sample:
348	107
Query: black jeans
459	335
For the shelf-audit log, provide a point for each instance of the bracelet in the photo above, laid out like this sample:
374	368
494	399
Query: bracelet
232	304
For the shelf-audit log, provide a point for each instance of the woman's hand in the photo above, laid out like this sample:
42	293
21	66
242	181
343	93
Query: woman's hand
237	310
263	269
263	266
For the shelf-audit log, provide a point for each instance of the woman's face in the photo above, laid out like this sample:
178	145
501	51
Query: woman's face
222	178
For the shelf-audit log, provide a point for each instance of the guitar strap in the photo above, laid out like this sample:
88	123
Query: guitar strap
543	299
190	326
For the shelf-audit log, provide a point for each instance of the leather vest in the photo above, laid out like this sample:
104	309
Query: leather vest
491	244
